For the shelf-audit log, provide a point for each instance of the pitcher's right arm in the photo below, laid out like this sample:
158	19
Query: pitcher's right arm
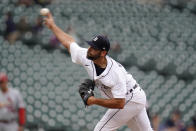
63	37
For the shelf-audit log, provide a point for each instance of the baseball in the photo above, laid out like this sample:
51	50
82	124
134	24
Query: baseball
44	11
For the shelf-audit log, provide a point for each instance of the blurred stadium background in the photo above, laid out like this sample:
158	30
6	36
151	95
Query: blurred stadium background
154	39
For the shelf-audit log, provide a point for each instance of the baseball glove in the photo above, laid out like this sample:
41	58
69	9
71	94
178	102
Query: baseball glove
86	89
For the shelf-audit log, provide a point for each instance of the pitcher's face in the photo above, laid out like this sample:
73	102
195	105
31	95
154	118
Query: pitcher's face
93	54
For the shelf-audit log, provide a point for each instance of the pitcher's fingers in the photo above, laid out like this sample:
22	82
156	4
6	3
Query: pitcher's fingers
49	15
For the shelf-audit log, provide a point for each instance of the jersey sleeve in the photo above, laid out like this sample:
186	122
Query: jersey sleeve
78	54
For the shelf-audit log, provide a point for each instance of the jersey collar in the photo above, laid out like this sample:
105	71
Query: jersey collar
105	72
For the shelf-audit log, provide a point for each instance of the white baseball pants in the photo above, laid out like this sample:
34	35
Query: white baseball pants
133	115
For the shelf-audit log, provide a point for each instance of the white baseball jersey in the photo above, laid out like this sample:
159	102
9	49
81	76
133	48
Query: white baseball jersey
12	101
114	82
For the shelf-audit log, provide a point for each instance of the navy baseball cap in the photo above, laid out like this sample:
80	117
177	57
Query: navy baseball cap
100	42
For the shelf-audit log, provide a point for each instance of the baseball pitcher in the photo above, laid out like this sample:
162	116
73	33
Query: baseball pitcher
123	96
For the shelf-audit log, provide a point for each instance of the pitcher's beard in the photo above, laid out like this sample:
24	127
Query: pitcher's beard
92	57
